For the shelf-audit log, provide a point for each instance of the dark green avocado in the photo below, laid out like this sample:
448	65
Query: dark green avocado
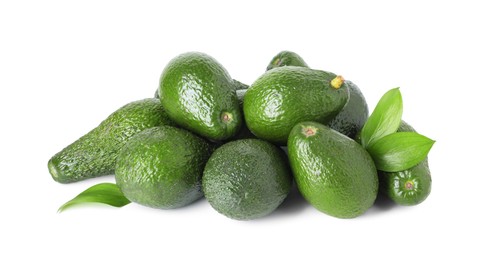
94	154
350	120
246	179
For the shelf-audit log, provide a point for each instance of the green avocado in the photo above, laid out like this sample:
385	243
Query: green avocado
246	179
332	172
409	187
199	95
94	154
162	167
285	96
350	120
286	58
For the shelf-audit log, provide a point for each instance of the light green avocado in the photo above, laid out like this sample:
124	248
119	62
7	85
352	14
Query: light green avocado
332	172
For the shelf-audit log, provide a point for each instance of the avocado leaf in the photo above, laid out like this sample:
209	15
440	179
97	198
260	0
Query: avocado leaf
106	193
385	118
400	151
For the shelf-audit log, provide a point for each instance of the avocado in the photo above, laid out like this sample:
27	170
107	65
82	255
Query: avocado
162	167
199	95
94	154
246	179
286	58
350	120
244	132
333	173
238	86
352	117
409	187
285	96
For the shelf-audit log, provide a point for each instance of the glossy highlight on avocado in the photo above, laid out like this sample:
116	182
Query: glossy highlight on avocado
285	96
333	173
199	95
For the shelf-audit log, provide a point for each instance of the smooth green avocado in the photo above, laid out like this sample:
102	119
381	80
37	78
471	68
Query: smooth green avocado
332	172
285	96
95	153
286	58
162	167
246	179
409	187
199	95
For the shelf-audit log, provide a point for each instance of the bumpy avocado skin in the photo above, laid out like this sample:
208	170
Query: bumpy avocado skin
161	167
94	154
332	172
199	95
247	179
285	96
409	187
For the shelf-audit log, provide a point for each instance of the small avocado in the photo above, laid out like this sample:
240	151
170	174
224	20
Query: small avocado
285	96
94	154
350	120
286	58
333	173
199	95
246	179
409	187
162	167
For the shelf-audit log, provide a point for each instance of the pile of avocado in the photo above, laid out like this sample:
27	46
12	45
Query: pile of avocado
240	146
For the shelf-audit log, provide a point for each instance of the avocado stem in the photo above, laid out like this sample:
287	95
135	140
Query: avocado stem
309	130
337	82
226	117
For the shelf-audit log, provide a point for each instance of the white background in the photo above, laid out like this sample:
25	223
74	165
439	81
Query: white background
66	65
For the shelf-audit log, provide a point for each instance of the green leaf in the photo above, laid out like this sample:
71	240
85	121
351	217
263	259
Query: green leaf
385	118
107	193
400	151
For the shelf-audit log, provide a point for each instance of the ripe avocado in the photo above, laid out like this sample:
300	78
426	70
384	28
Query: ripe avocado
333	172
246	179
199	95
409	187
162	167
350	120
286	58
94	154
285	96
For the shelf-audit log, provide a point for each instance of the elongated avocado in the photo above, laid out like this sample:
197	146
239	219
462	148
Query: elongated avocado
94	154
